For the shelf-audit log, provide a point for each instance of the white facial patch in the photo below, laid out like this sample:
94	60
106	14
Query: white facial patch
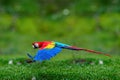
36	45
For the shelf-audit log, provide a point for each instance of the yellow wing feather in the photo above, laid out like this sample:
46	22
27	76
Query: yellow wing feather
51	45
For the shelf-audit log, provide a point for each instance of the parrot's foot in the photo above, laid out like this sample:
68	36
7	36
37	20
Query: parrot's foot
30	61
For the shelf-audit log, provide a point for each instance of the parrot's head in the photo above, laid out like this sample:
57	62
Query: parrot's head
35	45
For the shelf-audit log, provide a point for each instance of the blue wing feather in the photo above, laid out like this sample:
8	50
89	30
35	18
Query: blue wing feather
46	54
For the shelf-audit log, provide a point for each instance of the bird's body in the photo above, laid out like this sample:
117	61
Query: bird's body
48	49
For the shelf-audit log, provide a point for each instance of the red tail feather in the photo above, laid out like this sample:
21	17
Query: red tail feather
87	50
92	51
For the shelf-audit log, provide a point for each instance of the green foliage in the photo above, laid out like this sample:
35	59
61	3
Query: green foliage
102	31
50	7
26	26
5	22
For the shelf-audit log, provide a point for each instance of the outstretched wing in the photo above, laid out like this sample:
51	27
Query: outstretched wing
46	54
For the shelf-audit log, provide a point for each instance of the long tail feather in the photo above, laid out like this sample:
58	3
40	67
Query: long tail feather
87	50
93	51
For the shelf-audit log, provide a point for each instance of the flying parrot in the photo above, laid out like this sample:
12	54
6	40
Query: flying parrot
49	49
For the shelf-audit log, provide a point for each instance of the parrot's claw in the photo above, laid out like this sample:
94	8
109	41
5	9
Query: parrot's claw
30	61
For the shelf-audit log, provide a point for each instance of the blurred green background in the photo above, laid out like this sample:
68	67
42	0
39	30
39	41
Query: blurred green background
92	24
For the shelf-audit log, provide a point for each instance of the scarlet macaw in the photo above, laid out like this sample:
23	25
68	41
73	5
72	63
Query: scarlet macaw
48	49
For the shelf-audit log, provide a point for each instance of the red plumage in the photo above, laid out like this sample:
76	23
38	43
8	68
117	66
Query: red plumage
87	50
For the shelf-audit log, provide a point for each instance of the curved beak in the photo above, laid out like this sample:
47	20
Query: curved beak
34	46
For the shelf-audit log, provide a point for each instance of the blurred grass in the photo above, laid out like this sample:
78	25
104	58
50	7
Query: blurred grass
61	67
